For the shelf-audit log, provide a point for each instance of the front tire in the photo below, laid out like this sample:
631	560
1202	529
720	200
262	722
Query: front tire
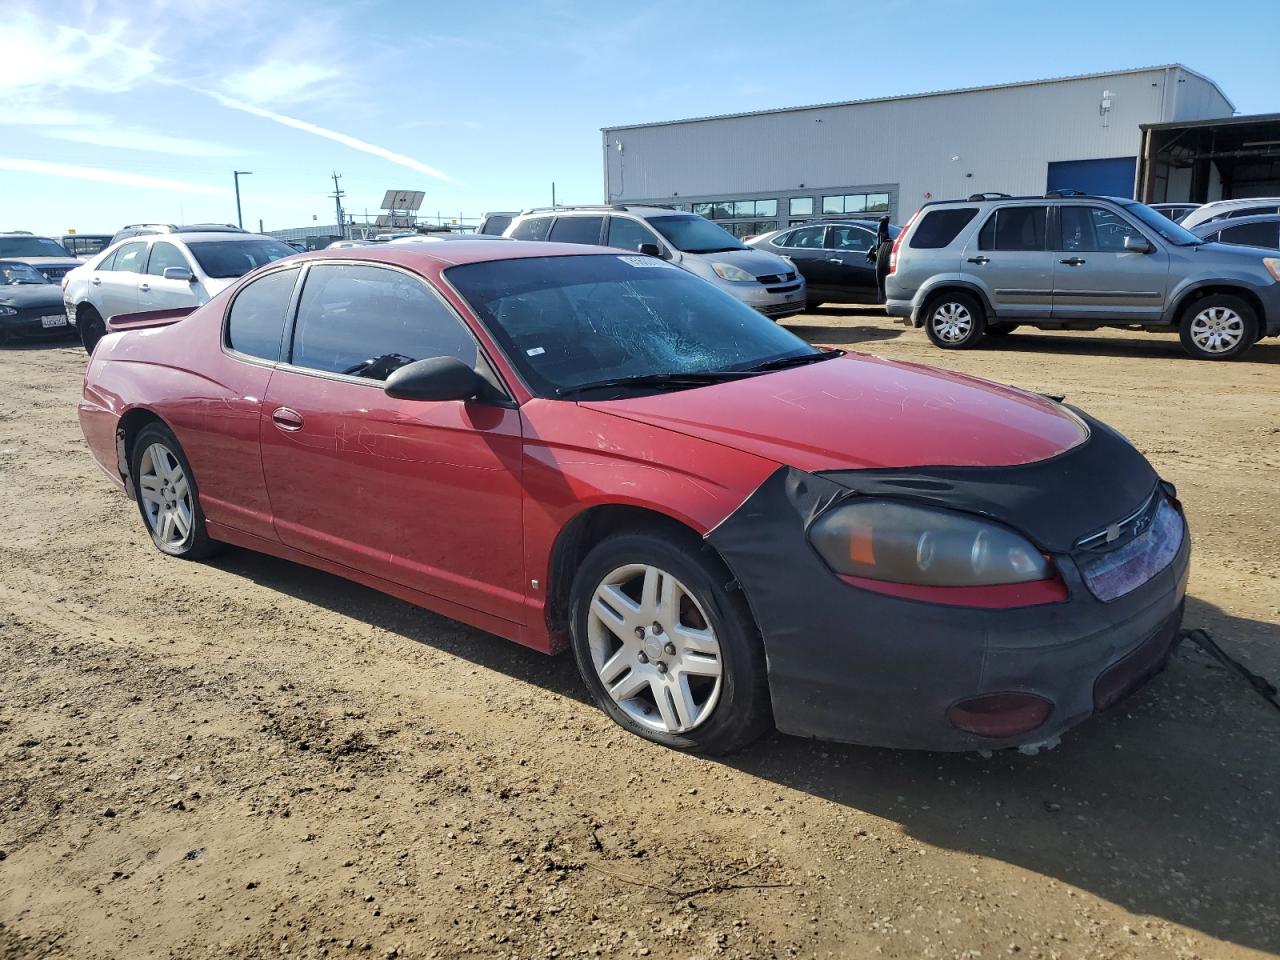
955	321
91	327
666	649
1218	327
167	495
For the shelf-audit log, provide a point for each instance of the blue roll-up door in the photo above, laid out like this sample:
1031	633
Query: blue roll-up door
1112	177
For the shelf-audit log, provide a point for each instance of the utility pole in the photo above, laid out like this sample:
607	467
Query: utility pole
238	174
338	194
553	194
260	230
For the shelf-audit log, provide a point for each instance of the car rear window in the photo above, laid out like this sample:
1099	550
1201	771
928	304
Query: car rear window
234	258
535	228
939	227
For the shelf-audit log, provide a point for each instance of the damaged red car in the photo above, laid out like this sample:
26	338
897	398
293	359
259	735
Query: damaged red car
576	447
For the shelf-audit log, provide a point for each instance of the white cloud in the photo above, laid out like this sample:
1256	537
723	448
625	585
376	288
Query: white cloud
275	81
118	177
134	139
345	139
42	55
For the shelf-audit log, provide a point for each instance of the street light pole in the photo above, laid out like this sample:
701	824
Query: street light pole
238	174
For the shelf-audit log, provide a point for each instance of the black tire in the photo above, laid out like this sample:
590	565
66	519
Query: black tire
1239	327
196	543
91	327
741	712
1000	329
955	321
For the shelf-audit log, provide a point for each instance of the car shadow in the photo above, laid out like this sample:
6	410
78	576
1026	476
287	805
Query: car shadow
1164	805
843	335
27	346
1140	345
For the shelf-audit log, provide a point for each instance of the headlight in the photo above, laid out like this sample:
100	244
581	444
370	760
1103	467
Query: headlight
883	540
1273	267
727	271
7	311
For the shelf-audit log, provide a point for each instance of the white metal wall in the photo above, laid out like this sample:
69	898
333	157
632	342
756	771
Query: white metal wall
938	146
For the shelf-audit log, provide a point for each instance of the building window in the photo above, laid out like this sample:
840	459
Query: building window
801	206
853	204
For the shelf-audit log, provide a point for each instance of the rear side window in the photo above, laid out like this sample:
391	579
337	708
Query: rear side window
810	238
577	229
783	239
1252	234
852	239
939	227
535	228
129	257
1014	228
256	320
108	262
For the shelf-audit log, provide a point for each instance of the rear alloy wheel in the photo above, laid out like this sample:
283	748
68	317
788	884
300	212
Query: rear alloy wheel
664	648
91	327
954	321
167	495
1218	327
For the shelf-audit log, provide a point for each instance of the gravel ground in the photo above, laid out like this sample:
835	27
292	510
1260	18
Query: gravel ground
250	759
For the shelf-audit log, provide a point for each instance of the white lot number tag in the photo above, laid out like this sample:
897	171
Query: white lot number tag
644	261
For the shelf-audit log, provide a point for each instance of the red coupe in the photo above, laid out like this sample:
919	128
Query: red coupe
578	447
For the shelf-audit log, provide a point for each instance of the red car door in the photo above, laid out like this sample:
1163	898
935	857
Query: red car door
426	494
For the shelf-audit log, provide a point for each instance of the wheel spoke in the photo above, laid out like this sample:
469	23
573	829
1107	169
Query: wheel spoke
150	494
666	708
629	686
699	665
686	707
693	640
613	667
615	609
181	520
180	486
649	593
668	613
166	525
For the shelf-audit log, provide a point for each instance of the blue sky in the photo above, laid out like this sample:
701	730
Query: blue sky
117	113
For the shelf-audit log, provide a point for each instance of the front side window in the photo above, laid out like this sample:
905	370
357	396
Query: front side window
577	229
534	228
32	247
938	228
852	239
693	234
626	234
164	256
1093	229
255	322
1262	234
130	257
570	321
225	259
1014	228
367	321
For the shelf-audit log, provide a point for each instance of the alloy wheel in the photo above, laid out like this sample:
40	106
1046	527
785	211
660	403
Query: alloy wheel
653	649
166	496
952	322
1217	329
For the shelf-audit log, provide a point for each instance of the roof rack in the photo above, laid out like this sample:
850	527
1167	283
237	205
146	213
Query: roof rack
580	206
991	195
1066	193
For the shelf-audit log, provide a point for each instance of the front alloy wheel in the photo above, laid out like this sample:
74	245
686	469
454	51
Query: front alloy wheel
954	322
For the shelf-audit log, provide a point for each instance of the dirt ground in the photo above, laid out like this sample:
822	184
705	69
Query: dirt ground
251	759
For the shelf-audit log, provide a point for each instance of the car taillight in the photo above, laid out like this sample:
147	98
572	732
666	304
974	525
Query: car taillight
897	242
1000	715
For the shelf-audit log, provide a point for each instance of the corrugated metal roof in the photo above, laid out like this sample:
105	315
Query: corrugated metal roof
1244	118
932	93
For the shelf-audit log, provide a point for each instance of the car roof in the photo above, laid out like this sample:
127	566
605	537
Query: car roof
1244	202
201	236
443	255
1213	226
597	210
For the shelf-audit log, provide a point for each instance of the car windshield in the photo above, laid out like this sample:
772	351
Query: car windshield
234	258
1172	232
31	247
570	321
12	274
695	235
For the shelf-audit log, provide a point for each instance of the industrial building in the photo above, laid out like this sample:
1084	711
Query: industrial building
754	172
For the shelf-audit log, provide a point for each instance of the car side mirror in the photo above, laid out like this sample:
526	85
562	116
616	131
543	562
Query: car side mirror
435	378
650	249
179	273
1137	244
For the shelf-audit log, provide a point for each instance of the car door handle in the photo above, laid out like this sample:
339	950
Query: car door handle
979	259
834	260
286	419
144	286
96	281
1072	261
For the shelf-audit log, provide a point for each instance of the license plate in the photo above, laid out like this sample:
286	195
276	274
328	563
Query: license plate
57	320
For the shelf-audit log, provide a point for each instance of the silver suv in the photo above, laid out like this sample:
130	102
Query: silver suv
965	269
764	281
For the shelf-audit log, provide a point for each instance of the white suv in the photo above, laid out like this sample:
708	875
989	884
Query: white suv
764	281
158	273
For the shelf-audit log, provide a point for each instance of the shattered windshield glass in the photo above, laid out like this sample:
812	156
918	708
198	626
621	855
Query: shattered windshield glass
569	321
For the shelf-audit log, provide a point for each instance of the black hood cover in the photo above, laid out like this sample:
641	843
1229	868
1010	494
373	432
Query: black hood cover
24	296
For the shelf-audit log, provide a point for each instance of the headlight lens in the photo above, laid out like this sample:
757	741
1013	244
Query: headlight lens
1273	267
7	311
884	540
727	271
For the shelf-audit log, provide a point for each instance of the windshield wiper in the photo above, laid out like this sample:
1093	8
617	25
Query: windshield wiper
782	363
679	380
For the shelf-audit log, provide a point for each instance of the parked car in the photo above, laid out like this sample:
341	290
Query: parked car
1257	231
443	235
150	229
836	258
572	446
1229	209
761	280
82	246
348	244
159	272
1174	211
495	224
44	253
30	304
965	269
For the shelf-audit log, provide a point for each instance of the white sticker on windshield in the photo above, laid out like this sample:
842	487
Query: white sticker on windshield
535	351
644	261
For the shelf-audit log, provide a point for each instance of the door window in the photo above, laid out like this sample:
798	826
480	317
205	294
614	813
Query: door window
1087	229
163	256
627	234
1014	228
851	239
535	228
129	257
1251	234
577	229
809	238
367	321
108	262
255	323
